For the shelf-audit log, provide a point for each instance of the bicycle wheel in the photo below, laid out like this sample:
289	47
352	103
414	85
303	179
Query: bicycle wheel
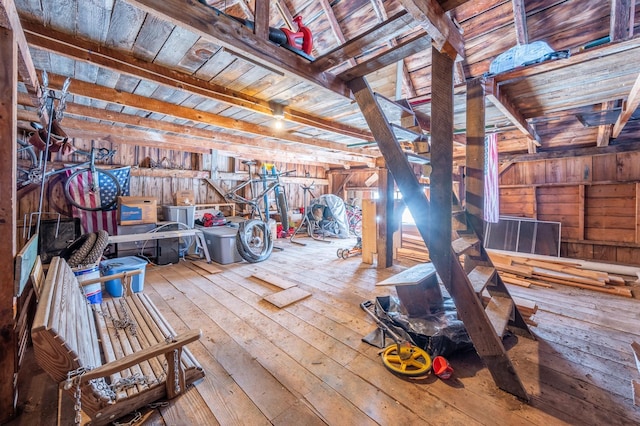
93	191
283	210
253	241
356	226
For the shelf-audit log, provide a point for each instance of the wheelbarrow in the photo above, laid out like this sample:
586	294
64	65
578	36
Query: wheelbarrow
403	357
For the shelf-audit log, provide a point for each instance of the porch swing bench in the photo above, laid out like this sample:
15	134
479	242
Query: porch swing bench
113	357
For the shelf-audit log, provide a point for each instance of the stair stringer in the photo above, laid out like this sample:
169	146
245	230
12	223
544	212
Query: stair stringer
469	307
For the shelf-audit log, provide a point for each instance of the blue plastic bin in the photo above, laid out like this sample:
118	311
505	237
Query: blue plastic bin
123	264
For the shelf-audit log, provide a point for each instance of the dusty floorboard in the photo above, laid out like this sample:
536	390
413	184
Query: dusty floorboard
306	363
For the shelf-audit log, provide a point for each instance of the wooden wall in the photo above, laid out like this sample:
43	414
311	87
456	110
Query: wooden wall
596	198
177	171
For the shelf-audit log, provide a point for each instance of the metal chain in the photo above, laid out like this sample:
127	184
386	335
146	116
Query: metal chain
136	418
122	324
176	370
73	378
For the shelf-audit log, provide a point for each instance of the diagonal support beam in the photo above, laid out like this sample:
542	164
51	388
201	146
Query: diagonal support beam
445	35
239	40
9	19
631	104
505	105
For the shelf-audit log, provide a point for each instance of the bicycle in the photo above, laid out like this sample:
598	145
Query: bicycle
254	239
85	177
354	216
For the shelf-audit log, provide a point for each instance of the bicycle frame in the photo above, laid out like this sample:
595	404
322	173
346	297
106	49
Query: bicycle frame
270	182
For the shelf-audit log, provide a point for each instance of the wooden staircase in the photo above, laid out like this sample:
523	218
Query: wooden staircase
462	264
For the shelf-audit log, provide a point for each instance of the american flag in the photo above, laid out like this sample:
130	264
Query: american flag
491	188
93	221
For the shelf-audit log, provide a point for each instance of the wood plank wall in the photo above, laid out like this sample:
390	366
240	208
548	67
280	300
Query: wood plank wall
596	198
185	171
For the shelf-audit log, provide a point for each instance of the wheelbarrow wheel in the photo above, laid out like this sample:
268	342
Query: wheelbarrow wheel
339	253
411	361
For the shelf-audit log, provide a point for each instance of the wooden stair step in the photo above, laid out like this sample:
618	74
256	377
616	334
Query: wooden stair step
499	312
412	157
465	243
393	110
458	218
480	277
403	133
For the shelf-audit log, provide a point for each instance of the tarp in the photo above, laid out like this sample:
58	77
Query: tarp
338	211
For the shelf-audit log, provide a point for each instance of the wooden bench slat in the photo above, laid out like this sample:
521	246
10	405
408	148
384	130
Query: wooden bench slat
68	333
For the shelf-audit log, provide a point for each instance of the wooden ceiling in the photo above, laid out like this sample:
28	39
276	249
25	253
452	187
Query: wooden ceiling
175	74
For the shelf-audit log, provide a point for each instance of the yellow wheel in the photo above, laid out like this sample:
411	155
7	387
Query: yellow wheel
411	361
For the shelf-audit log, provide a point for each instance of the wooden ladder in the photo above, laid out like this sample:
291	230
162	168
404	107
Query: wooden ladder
485	324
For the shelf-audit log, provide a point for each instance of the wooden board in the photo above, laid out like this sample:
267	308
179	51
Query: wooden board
24	264
635	346
636	392
270	278
286	297
412	276
212	269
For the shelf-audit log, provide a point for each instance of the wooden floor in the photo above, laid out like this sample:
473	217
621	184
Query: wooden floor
305	364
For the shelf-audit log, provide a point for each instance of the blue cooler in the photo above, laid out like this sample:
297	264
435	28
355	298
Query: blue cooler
123	264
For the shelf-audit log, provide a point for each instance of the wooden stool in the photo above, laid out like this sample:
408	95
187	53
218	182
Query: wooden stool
418	289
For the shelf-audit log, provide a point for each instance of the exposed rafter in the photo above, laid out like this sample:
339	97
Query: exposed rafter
384	31
445	35
504	104
9	19
84	51
239	40
105	94
402	50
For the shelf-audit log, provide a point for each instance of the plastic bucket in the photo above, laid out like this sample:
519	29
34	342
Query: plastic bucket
123	264
92	291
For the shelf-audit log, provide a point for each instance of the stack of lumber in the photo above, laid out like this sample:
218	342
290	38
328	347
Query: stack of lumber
527	270
412	245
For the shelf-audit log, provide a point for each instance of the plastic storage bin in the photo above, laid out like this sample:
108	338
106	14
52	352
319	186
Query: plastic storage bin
221	243
182	214
123	264
92	291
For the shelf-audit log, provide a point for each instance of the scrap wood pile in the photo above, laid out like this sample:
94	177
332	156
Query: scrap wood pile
519	269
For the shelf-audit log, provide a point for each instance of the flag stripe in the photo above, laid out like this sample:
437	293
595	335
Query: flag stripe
93	221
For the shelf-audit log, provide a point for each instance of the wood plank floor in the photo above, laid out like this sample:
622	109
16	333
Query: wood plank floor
305	364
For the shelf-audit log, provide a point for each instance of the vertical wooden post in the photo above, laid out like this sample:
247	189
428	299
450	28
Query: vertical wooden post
441	195
581	212
8	136
474	185
385	215
637	212
368	231
261	18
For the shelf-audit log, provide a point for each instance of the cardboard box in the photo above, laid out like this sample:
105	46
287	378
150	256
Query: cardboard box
185	198
137	210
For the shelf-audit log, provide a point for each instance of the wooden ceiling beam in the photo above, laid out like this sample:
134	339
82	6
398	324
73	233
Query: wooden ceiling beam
261	20
77	128
335	26
629	106
286	14
239	40
402	50
238	142
88	52
447	5
569	153
505	105
377	35
444	33
106	94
